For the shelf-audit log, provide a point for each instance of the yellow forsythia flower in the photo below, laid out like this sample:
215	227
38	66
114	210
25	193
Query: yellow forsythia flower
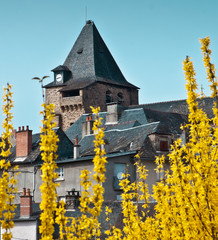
7	181
48	149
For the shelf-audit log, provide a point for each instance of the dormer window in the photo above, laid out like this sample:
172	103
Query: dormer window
62	74
164	144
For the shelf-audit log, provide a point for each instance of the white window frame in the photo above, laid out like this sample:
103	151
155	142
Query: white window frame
60	172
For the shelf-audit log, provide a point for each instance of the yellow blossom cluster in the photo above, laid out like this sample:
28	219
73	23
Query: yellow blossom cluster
87	226
187	200
135	198
7	181
187	195
210	68
48	150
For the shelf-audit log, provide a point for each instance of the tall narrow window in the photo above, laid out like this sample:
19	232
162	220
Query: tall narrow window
60	172
108	96
119	170
120	97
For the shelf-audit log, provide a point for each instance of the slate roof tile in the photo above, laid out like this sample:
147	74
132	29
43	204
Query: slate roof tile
180	106
90	61
131	131
120	140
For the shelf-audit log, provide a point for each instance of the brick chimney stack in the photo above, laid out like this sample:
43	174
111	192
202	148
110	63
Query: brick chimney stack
23	142
26	204
87	126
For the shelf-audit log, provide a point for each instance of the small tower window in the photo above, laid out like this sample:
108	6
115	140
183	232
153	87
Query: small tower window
108	96
120	97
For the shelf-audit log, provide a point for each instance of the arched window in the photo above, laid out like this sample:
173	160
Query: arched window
120	97
108	96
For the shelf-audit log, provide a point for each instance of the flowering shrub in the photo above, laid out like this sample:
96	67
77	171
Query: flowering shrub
87	226
186	198
48	188
7	181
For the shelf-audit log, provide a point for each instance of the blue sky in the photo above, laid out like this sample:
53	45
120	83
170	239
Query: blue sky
149	39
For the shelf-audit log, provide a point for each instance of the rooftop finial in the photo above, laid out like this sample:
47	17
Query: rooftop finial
89	22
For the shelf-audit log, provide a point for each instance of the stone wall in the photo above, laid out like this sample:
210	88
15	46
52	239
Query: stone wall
54	96
69	109
95	95
70	114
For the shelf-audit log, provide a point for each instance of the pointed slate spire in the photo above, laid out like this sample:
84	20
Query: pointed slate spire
90	61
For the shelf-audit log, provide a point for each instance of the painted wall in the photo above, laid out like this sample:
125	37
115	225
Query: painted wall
71	178
25	230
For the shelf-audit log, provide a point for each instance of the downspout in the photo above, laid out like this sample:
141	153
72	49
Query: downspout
34	180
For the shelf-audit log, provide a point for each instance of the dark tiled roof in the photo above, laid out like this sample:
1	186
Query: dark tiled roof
134	114
180	106
78	84
131	131
33	155
170	122
60	68
90	61
76	129
122	125
65	148
129	139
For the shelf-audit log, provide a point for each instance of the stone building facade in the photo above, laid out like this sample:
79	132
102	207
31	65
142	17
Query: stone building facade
69	109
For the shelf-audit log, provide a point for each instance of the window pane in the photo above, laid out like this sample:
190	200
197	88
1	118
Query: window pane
119	170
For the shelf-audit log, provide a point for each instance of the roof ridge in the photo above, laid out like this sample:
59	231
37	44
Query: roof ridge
122	130
158	111
153	110
170	101
162	102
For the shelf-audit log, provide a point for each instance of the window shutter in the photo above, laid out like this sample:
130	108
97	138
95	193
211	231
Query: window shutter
164	146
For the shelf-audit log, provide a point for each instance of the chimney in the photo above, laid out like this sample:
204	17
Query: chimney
76	149
87	126
26	204
113	113
23	142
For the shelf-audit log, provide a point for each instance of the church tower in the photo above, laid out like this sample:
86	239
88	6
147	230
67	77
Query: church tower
88	77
